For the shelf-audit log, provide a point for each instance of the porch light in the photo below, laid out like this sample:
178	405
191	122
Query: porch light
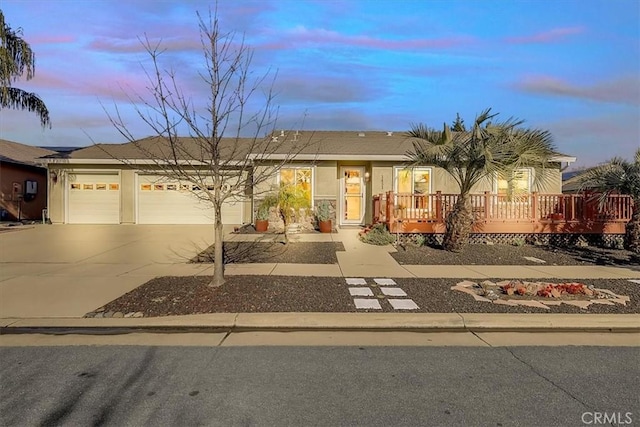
54	176
367	176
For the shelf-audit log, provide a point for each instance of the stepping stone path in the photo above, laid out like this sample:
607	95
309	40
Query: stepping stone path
358	287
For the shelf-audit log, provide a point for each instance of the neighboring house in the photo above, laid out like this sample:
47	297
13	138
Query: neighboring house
23	181
572	181
346	168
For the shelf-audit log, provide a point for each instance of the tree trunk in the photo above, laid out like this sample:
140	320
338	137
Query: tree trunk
632	235
458	224
218	249
285	221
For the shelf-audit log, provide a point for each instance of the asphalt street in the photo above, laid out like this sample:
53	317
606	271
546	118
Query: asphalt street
300	386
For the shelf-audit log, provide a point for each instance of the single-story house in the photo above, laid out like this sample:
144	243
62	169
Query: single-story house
116	183
23	181
572	181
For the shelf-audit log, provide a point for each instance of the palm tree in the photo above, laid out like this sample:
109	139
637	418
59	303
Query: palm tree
16	59
485	151
621	177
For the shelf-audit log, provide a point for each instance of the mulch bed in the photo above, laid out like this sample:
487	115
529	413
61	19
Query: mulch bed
514	255
275	252
166	296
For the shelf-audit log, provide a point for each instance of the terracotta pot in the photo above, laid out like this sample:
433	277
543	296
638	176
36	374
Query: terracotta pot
325	226
261	225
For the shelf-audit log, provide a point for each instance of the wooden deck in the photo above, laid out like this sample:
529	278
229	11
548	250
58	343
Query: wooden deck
534	213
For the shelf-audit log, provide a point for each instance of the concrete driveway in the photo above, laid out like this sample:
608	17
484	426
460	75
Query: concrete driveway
68	270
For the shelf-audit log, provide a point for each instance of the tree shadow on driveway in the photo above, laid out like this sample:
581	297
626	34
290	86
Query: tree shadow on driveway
274	252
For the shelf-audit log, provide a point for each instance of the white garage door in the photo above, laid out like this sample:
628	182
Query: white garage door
94	199
162	201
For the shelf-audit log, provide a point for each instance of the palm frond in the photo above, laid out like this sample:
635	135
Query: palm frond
19	99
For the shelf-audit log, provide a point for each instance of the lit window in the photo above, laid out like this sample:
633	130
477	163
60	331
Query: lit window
114	186
145	187
158	187
414	180
299	177
75	186
185	187
517	183
87	186
172	187
101	186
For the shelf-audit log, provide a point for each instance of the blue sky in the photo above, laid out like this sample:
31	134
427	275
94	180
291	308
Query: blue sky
569	66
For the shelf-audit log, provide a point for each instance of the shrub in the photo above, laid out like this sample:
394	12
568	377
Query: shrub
518	242
378	235
421	240
270	201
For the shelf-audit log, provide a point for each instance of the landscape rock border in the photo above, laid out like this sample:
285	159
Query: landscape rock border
491	292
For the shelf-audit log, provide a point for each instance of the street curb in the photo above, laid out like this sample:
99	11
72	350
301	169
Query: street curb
348	322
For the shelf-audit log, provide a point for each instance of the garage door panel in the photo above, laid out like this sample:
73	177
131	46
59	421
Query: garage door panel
94	199
161	201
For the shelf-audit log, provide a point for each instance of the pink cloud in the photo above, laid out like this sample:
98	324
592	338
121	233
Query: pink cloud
51	39
136	46
301	36
102	85
550	36
624	90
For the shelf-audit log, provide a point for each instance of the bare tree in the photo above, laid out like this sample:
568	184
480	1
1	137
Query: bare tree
217	156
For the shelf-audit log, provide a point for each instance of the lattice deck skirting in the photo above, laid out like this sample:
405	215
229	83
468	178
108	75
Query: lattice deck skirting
555	239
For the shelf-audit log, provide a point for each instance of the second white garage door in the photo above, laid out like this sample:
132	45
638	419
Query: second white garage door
162	201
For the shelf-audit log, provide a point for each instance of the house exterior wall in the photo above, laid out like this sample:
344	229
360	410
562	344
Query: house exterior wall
65	172
12	206
56	194
326	180
326	186
128	196
128	190
383	176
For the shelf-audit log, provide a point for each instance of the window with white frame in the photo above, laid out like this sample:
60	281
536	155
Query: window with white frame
413	180
515	183
301	177
412	187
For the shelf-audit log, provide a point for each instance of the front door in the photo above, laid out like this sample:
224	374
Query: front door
352	191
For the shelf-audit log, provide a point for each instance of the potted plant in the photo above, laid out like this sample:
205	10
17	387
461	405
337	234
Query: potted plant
262	216
262	219
323	213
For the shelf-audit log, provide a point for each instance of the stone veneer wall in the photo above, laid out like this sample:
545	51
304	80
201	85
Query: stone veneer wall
306	221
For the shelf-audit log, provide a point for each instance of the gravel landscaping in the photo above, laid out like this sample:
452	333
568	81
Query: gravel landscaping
275	252
166	296
515	255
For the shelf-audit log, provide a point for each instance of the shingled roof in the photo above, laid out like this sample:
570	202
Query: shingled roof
307	145
155	147
345	143
22	154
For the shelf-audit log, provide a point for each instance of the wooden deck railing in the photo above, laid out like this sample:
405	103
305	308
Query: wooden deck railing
536	213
